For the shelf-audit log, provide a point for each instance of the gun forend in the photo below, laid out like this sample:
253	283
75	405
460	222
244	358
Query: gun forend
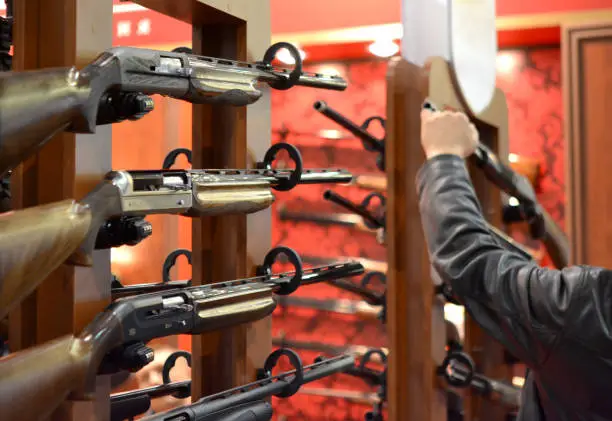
208	192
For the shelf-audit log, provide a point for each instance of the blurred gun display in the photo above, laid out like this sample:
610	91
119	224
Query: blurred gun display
35	381
369	141
341	219
326	349
248	402
373	216
340	306
516	185
50	234
37	104
369	265
459	371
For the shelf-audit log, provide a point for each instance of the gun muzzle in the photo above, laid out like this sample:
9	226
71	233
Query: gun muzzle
317	176
354	129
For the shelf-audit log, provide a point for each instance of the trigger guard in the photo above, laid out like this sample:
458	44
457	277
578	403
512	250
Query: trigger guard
463	358
294	76
170	362
170	159
295	360
266	268
366	124
171	261
296	157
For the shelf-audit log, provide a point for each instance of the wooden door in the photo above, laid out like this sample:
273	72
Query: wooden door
587	86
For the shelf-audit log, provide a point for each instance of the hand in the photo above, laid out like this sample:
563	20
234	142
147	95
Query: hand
447	132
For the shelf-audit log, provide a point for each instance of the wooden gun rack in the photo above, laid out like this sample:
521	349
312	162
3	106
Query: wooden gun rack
415	315
70	32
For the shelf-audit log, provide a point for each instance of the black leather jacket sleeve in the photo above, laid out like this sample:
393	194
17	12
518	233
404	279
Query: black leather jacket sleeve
527	308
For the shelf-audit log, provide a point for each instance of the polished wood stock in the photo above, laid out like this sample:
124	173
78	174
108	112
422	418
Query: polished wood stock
34	242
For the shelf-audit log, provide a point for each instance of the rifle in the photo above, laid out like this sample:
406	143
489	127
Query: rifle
373	219
541	224
127	405
370	265
50	234
369	141
233	401
115	339
68	99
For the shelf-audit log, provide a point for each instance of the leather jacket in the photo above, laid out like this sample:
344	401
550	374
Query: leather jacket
558	322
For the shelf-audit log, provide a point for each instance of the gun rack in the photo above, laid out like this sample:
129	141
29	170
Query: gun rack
72	32
417	334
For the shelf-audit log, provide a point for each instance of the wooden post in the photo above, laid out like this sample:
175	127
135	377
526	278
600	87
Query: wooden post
61	34
415	316
226	247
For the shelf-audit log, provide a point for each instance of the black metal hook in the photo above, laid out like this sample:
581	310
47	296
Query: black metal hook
171	261
170	159
294	155
294	75
449	372
296	362
293	258
366	124
169	364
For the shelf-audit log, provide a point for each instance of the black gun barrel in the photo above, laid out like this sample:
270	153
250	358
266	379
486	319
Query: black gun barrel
331	272
129	404
368	296
347	204
257	390
323	108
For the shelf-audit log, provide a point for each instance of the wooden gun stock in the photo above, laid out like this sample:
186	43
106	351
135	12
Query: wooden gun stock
35	105
48	373
34	242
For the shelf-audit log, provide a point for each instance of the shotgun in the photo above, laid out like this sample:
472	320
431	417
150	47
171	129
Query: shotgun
127	405
37	240
36	104
541	224
216	407
327	349
34	382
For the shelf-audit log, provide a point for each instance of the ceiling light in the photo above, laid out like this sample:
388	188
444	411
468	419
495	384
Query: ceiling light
506	62
386	48
284	56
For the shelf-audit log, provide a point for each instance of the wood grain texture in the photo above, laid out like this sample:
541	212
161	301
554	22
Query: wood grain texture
61	34
587	86
232	30
35	241
415	325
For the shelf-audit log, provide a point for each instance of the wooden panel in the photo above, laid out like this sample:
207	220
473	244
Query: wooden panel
59	34
226	247
415	347
587	89
415	327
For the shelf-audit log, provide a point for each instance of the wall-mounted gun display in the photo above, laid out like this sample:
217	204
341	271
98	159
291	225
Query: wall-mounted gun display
340	219
326	349
69	230
373	214
359	309
115	340
369	141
